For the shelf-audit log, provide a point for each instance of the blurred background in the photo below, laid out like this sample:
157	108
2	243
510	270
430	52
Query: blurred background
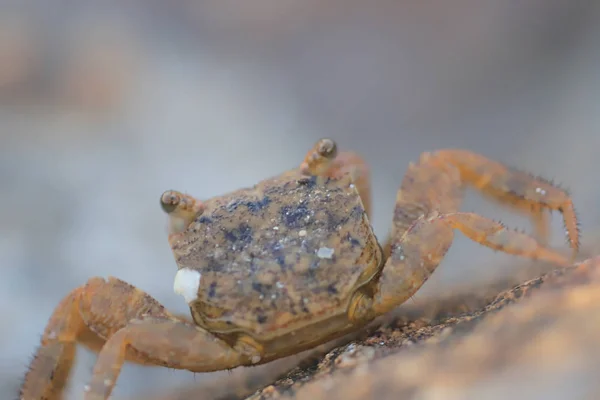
104	107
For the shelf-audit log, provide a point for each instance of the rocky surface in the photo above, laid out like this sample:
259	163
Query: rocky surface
536	340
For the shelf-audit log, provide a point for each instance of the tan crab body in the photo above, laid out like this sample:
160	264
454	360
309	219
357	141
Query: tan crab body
280	261
289	264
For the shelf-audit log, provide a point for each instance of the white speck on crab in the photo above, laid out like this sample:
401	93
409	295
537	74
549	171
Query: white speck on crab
273	296
540	191
302	233
275	228
352	186
108	382
187	282
325	252
255	359
51	336
280	285
262	296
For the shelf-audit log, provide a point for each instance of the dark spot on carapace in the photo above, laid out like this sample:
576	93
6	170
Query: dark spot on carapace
357	212
233	205
259	287
280	260
308	181
212	289
214	265
253	265
295	217
336	219
276	247
204	219
261	319
331	289
256	206
353	242
242	233
277	253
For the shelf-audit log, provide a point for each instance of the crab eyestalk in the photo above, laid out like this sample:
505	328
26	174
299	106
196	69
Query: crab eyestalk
318	160
181	208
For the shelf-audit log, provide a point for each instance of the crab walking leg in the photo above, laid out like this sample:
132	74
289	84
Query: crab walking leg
540	219
417	254
51	365
496	236
167	342
426	216
49	372
90	315
519	190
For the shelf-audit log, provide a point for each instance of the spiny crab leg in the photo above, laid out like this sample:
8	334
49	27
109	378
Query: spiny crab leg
426	216
517	189
122	323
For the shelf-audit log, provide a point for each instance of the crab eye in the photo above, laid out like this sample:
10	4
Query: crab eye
327	148
169	201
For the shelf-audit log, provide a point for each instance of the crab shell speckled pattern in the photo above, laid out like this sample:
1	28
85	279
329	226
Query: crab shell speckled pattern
286	253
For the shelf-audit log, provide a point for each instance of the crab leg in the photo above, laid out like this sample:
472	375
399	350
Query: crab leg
134	327
519	190
416	256
426	216
51	365
167	342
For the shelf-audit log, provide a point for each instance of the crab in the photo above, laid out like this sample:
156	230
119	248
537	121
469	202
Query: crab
289	264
